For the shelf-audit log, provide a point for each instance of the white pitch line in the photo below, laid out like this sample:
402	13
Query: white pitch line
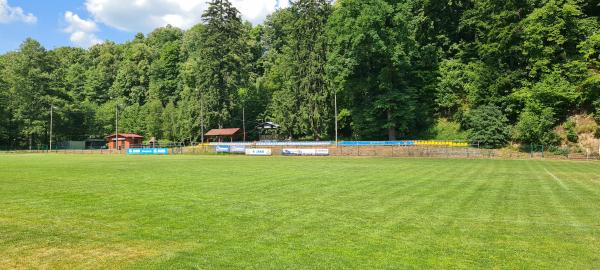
560	182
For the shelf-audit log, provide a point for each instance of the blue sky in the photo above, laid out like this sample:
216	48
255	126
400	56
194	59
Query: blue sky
82	23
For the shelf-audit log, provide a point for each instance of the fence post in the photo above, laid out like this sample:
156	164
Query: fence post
587	157
531	151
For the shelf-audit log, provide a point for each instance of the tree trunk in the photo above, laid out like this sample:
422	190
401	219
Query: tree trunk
391	127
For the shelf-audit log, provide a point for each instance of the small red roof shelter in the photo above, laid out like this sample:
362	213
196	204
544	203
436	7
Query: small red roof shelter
219	134
124	141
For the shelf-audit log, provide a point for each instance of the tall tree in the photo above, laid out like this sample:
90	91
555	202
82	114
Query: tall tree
164	70
27	74
132	80
371	63
308	48
104	60
277	80
222	61
297	54
67	87
5	114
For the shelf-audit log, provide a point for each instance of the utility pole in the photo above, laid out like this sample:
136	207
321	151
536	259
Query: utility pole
244	120
51	124
201	117
117	126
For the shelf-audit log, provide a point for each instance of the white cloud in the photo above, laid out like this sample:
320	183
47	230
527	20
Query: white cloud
146	15
12	14
82	31
256	11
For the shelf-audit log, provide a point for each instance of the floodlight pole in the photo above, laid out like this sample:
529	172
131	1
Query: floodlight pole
117	126
50	144
201	117
336	116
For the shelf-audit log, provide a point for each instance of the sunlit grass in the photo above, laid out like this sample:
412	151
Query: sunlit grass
217	212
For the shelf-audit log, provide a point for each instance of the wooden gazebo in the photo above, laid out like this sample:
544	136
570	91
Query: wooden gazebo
223	133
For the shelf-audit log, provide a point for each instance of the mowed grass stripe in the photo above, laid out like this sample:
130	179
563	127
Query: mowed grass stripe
231	212
559	198
573	197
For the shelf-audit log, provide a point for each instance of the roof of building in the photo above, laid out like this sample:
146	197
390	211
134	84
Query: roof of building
223	132
268	125
127	135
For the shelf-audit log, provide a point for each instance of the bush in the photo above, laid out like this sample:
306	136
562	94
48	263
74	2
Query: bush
587	128
164	142
448	130
560	151
488	126
597	110
536	126
556	92
571	131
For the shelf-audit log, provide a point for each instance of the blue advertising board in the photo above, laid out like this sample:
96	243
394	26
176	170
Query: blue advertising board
147	151
369	143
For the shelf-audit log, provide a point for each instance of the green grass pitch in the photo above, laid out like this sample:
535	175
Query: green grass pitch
218	212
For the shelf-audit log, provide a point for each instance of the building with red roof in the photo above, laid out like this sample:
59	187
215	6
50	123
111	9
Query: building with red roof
219	134
123	141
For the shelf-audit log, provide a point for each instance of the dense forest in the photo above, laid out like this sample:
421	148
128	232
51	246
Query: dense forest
483	70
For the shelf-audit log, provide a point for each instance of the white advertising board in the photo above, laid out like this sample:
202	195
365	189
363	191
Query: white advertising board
258	152
321	152
238	149
290	144
290	152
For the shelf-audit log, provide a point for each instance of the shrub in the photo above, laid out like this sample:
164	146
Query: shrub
536	126
488	126
448	130
560	151
597	110
571	131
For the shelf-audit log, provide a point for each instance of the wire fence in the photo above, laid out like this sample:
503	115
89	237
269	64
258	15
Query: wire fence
422	150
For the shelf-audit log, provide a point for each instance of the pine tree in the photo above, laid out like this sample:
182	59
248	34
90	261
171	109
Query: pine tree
222	61
298	52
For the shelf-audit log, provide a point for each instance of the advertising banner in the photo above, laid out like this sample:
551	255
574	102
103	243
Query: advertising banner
322	152
238	149
290	152
305	152
258	152
272	143
377	143
222	149
147	151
